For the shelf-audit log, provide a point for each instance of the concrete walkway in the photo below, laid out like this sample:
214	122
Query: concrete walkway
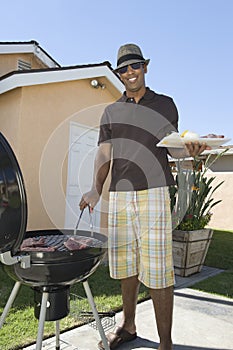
202	321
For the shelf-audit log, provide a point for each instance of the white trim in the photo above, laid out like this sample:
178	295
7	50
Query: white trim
84	126
17	48
228	152
28	48
44	58
35	78
216	151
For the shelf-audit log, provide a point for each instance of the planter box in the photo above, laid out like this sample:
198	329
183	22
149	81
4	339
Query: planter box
189	250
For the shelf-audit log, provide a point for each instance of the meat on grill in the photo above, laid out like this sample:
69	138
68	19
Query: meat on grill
36	244
75	243
52	243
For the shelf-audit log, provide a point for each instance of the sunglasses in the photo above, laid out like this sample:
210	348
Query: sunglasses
134	66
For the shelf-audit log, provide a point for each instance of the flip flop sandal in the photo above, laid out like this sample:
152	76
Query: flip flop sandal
118	337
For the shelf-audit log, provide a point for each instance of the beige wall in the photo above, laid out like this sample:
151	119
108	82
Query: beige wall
36	121
9	62
222	169
222	217
10	107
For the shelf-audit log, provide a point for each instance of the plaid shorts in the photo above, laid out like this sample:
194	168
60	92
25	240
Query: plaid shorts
140	237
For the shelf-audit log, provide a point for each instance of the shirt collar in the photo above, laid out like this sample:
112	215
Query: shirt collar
149	95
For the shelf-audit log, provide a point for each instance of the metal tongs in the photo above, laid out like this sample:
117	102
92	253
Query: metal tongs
91	221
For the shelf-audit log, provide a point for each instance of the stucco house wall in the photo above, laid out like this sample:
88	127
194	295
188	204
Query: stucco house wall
9	63
10	106
29	118
222	170
29	52
222	212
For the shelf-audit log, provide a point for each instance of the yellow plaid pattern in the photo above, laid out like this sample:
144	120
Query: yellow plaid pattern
140	236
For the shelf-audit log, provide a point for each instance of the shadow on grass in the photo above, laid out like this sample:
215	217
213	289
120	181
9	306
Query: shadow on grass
100	283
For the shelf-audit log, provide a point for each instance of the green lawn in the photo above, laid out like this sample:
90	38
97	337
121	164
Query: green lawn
20	328
220	255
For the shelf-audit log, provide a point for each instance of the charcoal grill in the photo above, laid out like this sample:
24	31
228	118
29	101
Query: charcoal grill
49	273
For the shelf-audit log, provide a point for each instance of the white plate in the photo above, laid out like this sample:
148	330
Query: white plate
174	140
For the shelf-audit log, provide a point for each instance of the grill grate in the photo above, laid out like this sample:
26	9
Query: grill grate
57	242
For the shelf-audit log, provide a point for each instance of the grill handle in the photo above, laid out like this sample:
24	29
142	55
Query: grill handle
91	221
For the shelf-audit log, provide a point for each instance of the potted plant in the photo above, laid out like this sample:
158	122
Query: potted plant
191	203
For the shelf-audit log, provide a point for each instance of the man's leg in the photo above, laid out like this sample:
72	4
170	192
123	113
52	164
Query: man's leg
127	328
129	290
163	306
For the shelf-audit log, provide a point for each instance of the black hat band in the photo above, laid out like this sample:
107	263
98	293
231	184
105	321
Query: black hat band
129	57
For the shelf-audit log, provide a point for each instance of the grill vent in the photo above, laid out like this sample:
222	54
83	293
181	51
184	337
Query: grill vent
22	65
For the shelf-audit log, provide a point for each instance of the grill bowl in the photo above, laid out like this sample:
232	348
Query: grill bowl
59	268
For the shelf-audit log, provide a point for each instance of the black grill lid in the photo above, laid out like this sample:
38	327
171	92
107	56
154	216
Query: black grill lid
13	205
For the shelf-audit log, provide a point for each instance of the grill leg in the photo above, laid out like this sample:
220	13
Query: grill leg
95	314
10	301
57	332
45	296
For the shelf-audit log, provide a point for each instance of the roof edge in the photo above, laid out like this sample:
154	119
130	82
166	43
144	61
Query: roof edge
18	79
28	47
38	70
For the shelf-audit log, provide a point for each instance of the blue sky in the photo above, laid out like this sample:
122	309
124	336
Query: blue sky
189	42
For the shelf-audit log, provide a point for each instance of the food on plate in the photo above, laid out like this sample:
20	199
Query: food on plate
190	135
177	140
213	136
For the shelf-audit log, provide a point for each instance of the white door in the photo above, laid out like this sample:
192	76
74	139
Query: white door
82	150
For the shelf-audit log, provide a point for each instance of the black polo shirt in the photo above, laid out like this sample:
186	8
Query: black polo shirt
134	129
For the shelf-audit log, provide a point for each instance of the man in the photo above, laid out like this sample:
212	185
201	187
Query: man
140	233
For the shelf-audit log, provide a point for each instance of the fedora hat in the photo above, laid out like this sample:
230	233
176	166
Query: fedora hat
128	54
